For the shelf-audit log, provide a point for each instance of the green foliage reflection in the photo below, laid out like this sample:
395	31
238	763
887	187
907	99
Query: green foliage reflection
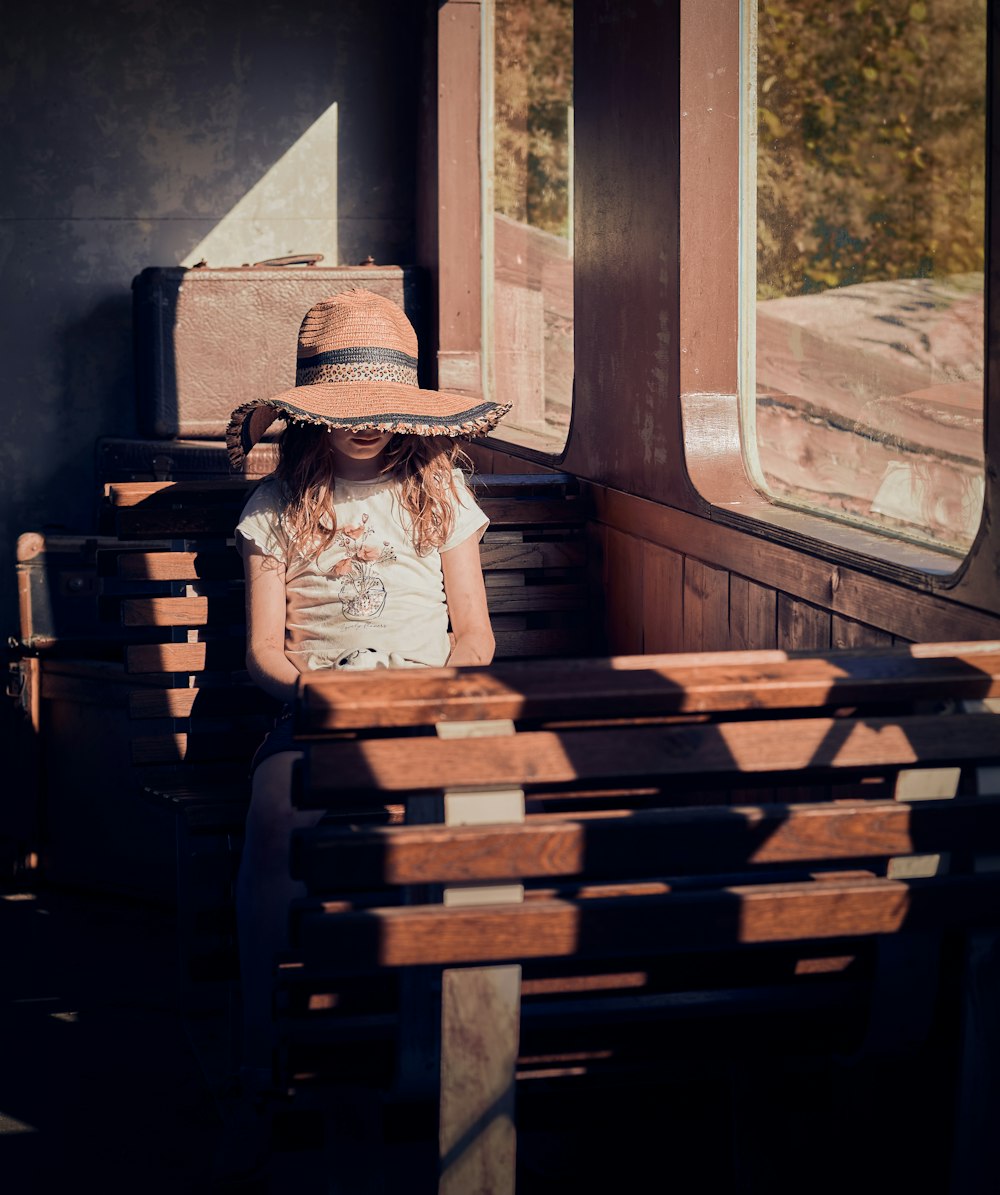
871	126
534	92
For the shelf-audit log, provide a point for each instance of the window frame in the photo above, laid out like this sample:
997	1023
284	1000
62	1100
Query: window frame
465	361
715	275
682	264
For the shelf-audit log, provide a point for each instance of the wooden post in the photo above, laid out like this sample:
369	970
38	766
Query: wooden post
480	1017
459	229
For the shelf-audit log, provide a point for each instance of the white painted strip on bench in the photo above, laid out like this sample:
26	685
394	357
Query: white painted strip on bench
480	1013
923	784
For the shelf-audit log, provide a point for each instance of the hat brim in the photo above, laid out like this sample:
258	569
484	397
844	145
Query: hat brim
357	406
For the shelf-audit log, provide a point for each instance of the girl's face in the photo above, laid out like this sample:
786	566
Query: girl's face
358	454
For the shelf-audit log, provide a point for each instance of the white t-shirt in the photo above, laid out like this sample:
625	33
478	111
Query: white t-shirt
369	592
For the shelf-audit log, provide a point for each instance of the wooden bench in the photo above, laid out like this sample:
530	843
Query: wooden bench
150	614
653	870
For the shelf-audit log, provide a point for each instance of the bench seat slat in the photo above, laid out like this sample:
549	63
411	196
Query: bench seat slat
536	758
442	936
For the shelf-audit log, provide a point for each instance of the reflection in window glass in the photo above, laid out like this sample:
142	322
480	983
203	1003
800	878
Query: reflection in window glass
532	281
870	256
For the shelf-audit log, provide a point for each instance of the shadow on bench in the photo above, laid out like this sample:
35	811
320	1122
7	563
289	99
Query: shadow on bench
646	870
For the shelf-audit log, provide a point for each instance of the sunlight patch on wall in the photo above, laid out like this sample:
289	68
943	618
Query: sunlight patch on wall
10	1124
291	209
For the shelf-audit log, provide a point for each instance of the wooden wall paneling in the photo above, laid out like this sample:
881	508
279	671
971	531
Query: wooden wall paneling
753	625
482	457
692	630
623	592
753	614
706	607
626	421
662	599
907	611
706	628
801	626
847	632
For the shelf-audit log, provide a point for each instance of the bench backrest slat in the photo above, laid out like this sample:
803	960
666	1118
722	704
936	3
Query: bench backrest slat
217	655
640	843
648	685
175	580
699	751
214	745
181	565
225	609
624	926
626	843
214	701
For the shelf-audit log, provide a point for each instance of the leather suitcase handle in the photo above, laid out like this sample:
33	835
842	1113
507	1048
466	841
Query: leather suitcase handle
296	259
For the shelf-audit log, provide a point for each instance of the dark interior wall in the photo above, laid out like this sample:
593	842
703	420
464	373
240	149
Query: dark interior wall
626	430
129	132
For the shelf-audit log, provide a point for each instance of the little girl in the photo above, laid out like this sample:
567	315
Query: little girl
358	552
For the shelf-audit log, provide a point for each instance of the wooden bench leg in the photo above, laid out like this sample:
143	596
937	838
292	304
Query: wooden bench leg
480	1020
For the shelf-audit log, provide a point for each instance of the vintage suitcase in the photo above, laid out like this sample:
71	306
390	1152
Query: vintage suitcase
207	339
121	459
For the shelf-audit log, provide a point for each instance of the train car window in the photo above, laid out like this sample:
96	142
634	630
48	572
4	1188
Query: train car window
528	217
861	364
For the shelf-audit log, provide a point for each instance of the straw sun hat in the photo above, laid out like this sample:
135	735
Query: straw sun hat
357	369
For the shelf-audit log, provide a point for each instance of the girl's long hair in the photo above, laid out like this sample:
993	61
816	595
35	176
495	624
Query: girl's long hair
421	465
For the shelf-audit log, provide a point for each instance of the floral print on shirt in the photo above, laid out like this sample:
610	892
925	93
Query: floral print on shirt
362	590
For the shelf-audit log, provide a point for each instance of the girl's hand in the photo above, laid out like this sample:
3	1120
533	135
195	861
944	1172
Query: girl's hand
465	594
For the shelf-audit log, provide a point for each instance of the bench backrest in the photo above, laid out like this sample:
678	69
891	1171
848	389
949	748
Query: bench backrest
177	581
678	844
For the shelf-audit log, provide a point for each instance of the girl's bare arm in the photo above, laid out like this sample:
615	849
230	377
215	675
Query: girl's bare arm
265	597
466	596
